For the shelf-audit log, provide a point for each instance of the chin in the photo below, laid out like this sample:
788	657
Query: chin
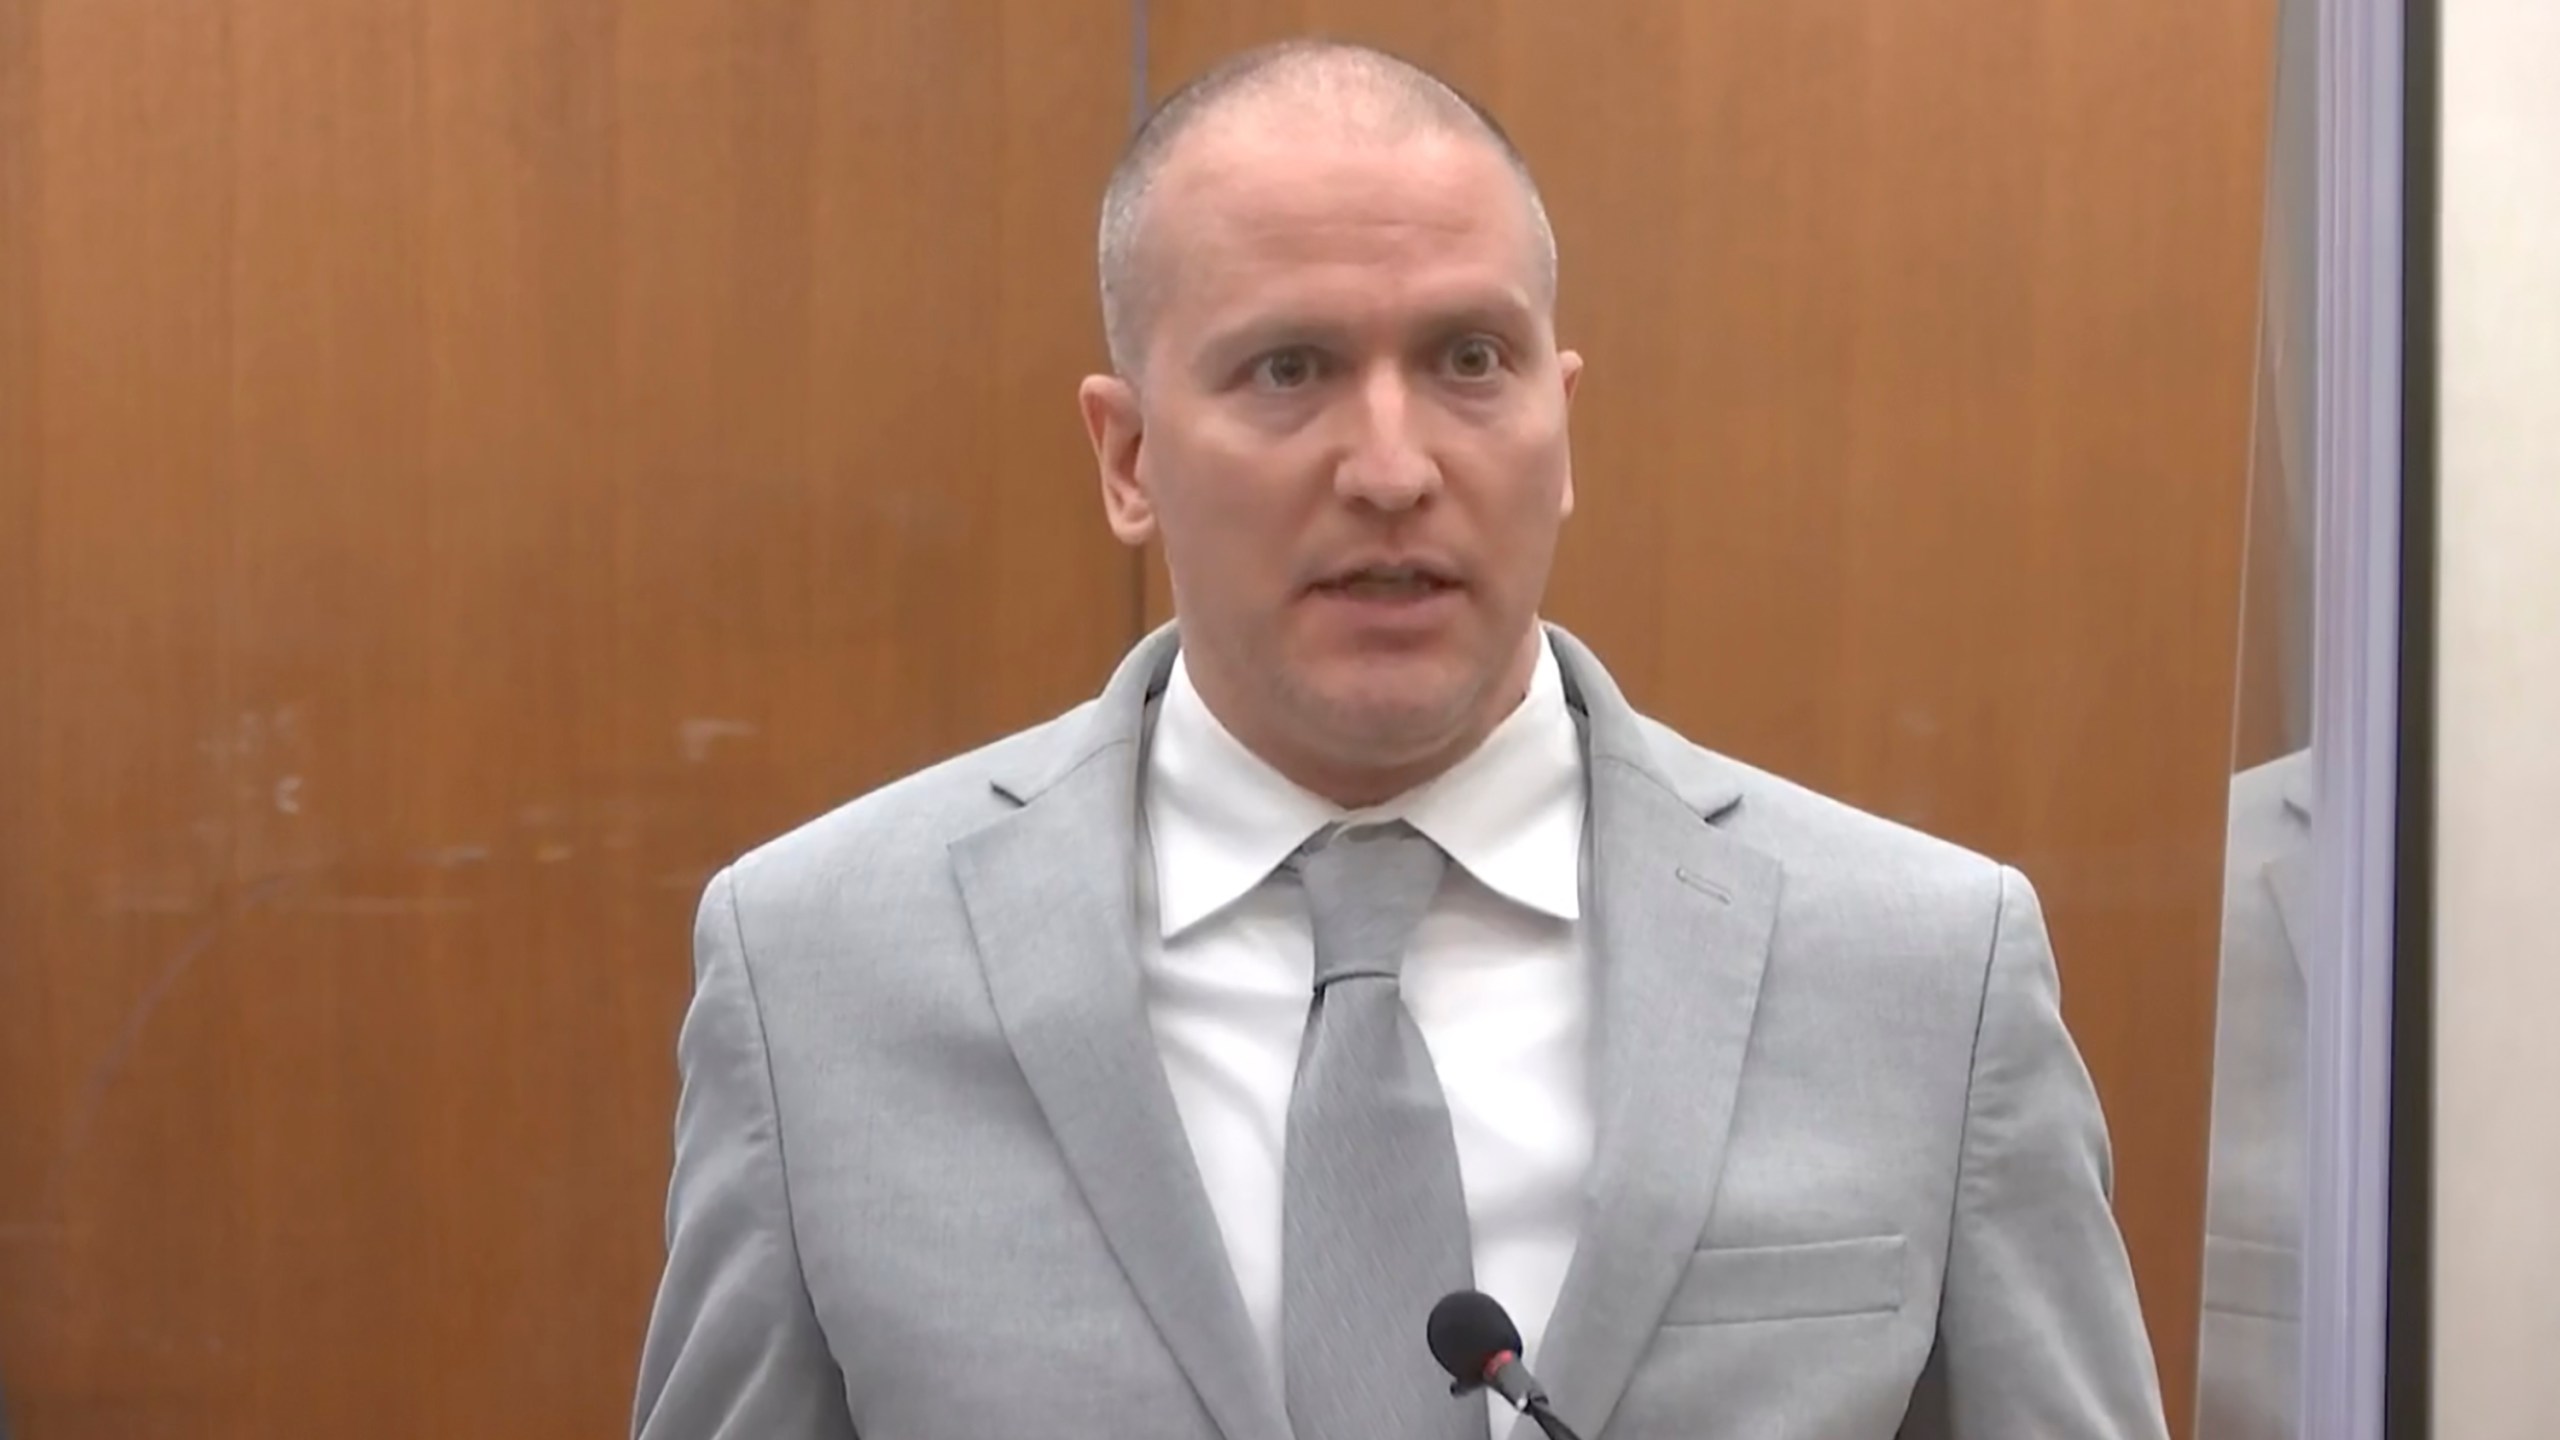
1391	715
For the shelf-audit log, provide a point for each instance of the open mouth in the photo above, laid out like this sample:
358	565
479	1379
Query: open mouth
1388	583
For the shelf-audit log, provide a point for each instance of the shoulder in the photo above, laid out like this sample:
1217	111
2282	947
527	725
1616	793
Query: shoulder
1814	836
2270	813
1876	922
1862	900
901	829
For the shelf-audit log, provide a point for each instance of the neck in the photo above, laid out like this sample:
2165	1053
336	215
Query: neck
1354	781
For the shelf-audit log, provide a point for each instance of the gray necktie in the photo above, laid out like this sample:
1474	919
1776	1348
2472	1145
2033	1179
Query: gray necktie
1374	1223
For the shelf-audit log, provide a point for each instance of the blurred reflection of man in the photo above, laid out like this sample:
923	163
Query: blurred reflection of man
2248	1359
1153	1071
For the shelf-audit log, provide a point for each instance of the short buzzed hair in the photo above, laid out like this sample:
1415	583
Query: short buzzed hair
1394	91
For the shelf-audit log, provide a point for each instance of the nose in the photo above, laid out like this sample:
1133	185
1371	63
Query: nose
1387	465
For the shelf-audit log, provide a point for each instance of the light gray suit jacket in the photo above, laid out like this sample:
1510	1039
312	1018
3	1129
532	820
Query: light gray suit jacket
2248	1356
1851	1178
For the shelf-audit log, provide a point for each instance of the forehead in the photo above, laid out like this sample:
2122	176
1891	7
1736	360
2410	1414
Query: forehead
1250	213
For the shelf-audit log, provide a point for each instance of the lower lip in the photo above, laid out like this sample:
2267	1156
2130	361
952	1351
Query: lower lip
1390	609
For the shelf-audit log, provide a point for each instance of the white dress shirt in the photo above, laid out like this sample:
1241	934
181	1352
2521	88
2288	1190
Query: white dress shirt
1498	981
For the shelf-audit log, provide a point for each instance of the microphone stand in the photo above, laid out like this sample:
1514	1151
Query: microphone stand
1548	1421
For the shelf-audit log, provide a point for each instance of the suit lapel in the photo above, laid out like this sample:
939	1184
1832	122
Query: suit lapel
2288	875
1681	921
1050	898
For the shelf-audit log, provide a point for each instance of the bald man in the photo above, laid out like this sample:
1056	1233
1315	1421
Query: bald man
1154	1071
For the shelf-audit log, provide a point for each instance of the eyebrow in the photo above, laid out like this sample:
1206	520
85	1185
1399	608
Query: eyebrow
1227	349
1501	313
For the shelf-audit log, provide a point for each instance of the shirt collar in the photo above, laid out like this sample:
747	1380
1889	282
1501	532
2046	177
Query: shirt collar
1221	819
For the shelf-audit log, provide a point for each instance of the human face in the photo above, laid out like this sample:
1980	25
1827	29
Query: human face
1349	436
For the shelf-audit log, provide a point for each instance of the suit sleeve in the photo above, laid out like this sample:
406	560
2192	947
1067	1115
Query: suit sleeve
734	1351
2041	1335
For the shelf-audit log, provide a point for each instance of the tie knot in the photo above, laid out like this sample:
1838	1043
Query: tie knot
1367	888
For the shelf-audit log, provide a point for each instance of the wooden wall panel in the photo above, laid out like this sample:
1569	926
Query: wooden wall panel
467	467
1912	450
111	800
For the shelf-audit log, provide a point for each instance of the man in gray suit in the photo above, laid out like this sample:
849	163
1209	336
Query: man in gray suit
1151	1072
2248	1356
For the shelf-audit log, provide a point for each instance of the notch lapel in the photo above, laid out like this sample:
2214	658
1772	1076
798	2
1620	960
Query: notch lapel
1682	917
2288	875
1050	897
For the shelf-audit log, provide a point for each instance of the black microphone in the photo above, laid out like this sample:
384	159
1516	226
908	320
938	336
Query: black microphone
1474	1340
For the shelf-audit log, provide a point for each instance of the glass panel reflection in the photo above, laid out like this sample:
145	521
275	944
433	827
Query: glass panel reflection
2248	1351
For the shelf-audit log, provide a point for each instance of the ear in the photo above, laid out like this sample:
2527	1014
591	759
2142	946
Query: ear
1117	428
1569	366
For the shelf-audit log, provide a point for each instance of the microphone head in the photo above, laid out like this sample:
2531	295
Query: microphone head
1469	1330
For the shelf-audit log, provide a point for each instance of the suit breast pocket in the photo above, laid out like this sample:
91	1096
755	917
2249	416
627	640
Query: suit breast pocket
1737	1285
